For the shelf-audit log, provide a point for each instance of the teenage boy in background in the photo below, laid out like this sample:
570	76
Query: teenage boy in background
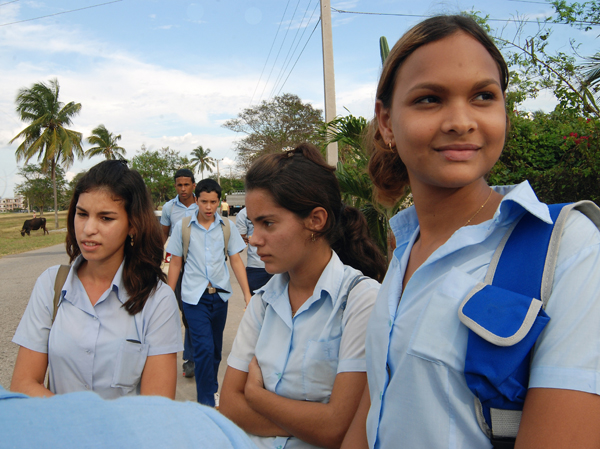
183	205
206	288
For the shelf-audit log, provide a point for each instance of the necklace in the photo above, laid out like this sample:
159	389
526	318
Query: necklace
480	208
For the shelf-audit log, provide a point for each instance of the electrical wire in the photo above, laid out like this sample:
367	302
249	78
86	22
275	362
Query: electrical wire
8	3
340	11
298	58
292	49
59	13
270	50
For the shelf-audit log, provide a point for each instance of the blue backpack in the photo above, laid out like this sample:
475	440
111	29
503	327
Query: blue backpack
501	339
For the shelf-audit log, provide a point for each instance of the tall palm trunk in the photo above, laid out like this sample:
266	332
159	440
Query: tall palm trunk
53	162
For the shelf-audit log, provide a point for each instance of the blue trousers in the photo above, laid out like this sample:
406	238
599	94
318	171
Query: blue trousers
206	322
188	351
257	277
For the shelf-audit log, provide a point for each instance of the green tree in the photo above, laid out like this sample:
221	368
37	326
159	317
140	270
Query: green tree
274	126
37	187
158	168
201	160
46	135
106	144
355	184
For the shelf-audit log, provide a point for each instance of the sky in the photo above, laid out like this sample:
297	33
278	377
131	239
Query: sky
171	72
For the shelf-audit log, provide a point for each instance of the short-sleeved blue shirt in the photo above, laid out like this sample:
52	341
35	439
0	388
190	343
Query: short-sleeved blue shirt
84	421
416	346
96	347
174	210
205	260
300	356
245	226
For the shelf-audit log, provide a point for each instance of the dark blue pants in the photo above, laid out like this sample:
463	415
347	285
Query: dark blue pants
206	322
257	277
188	351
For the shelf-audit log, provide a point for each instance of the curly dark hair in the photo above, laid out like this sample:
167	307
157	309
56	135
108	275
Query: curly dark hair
142	271
299	181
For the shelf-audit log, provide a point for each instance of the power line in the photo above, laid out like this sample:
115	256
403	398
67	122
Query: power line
7	3
59	13
427	16
293	48
298	58
270	50
280	47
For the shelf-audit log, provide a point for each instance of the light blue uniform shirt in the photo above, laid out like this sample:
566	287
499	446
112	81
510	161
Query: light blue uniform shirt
84	421
174	210
205	259
245	226
87	345
416	349
300	356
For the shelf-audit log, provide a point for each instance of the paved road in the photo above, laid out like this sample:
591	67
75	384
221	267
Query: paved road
18	274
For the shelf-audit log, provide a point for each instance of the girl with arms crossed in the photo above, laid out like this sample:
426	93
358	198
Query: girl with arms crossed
296	369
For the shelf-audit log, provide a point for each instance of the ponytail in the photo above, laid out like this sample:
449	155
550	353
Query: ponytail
300	180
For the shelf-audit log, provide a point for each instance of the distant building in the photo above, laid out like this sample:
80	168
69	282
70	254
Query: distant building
8	204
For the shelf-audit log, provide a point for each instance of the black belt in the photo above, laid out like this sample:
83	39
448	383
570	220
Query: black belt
213	290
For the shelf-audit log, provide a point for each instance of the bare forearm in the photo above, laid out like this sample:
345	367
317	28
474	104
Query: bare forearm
233	405
174	270
356	437
29	373
313	422
159	377
240	274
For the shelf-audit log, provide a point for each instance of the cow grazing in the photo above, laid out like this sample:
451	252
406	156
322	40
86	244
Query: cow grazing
33	225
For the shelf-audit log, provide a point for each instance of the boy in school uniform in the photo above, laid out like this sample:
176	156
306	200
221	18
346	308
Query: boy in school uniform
205	287
183	205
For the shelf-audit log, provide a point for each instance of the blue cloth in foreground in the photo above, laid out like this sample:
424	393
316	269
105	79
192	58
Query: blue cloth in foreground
506	318
85	420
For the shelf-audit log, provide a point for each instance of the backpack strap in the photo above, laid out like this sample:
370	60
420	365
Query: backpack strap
186	231
226	227
61	277
499	350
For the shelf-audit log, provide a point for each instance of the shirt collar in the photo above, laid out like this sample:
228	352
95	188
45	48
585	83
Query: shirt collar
118	285
217	219
516	199
328	285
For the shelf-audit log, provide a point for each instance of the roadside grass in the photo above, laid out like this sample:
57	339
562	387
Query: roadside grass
11	241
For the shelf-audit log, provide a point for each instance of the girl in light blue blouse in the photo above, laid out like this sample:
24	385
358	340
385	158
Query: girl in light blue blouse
440	127
116	330
297	366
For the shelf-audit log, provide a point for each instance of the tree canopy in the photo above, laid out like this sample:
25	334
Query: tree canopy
275	125
158	168
201	160
37	187
106	144
47	135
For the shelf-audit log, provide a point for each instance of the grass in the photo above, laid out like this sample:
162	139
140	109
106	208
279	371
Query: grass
11	241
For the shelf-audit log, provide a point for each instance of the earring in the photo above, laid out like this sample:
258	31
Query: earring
131	237
312	237
390	146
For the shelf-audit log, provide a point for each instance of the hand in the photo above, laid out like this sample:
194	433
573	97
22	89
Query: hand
254	383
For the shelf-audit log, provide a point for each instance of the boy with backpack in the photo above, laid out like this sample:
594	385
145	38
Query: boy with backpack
203	243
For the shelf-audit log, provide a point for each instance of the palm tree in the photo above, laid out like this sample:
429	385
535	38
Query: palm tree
105	144
201	159
47	135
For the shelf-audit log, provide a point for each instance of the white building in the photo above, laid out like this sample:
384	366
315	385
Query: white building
8	204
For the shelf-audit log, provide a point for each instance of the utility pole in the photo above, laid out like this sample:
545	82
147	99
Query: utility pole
218	173
330	112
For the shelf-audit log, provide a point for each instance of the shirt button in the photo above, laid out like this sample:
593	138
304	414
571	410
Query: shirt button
88	351
87	387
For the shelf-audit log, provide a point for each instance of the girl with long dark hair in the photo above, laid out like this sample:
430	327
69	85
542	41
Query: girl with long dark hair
116	330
